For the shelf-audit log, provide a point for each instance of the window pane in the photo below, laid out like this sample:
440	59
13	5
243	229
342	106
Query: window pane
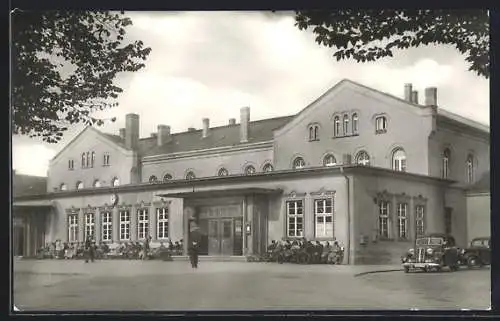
329	219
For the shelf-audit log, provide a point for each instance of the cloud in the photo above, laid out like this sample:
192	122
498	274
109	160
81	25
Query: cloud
210	64
31	158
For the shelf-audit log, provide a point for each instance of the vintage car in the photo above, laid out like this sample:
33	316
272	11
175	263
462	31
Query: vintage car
478	254
432	252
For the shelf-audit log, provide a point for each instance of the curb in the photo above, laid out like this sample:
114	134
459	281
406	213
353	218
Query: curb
377	271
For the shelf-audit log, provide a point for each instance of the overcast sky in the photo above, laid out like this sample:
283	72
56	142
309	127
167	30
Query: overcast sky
209	64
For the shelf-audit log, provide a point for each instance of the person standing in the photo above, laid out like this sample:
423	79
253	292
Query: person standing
89	250
193	254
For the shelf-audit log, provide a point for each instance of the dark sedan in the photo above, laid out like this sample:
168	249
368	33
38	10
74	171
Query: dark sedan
478	253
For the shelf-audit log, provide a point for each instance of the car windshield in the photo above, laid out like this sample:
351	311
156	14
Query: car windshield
430	241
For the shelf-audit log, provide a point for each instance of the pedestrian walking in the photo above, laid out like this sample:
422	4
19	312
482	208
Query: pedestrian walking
193	254
89	250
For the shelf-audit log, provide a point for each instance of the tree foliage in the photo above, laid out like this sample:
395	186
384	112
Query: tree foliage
368	35
63	68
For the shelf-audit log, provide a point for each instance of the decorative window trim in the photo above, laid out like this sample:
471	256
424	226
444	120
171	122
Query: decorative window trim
105	208
73	210
399	166
445	163
295	158
124	223
90	209
104	224
153	179
337	127
402	218
142	204
288	215
247	168
293	195
144	223
313	131
106	159
324	215
162	203
166	220
189	174
164	179
265	164
71	226
222	172
89	226
470	175
124	207
323	193
423	220
357	156
324	160
355	129
375	121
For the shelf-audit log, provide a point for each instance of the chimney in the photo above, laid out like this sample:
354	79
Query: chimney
245	119
122	133
191	129
131	131
408	92
163	134
431	96
206	126
232	121
414	97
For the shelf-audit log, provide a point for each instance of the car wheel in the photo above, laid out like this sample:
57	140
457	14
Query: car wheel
473	262
406	269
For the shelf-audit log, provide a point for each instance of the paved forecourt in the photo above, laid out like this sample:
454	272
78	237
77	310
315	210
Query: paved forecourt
154	285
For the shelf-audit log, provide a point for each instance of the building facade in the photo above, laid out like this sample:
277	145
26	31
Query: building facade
359	166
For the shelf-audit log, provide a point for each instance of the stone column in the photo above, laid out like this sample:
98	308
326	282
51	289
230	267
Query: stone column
97	225
133	223
152	222
115	225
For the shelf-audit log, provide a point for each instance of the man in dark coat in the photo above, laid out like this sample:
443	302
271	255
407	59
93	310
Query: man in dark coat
89	250
193	254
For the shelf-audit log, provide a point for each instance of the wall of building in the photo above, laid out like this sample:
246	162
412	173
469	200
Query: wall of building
404	120
121	162
455	199
478	215
368	190
207	165
461	145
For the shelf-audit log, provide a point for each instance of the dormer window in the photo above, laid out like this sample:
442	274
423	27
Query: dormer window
267	168
355	123
190	175
223	172
313	132
346	124
167	177
329	160
380	125
336	126
153	179
249	170
299	163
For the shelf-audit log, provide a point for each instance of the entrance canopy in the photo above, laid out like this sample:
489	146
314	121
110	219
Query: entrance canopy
33	204
222	192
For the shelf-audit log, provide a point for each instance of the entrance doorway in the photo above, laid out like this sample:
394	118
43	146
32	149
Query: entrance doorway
18	241
221	236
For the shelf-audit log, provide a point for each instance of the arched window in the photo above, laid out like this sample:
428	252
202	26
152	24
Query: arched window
336	126
470	169
329	160
446	163
93	160
346	124
79	185
153	179
223	172
84	164
299	163
88	159
97	183
362	158
267	168
355	123
63	187
115	182
167	177
249	170
313	132
190	175
399	160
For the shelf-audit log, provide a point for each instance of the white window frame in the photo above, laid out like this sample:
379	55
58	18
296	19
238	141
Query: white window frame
167	177
124	232
399	160
250	170
345	124
420	220
71	164
115	182
381	124
365	160
336	126
321	214
142	223
355	120
92	161
294	217
303	164
267	168
105	159
162	216
89	225
327	158
190	175
446	163
402	211
97	183
107	226
80	185
63	187
384	217
153	179
72	228
84	159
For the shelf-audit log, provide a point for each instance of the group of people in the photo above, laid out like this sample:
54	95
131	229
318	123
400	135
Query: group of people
305	251
65	250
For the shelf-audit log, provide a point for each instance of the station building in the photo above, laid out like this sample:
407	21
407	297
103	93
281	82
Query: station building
359	166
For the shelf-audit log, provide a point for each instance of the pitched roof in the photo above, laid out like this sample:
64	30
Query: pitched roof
222	136
23	185
483	184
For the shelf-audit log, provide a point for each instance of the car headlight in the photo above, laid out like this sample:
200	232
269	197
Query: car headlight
429	251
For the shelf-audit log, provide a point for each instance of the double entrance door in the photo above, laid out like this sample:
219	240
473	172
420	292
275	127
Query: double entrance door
220	237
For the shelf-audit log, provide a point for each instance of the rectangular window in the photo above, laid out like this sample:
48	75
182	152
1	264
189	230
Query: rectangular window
162	223
107	227
383	219
71	164
419	220
106	159
73	228
143	223
323	212
447	220
295	218
89	225
402	221
381	124
124	225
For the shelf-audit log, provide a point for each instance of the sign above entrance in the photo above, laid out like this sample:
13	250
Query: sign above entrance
208	212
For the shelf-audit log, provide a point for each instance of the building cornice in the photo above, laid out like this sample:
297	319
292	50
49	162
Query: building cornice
207	181
207	152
